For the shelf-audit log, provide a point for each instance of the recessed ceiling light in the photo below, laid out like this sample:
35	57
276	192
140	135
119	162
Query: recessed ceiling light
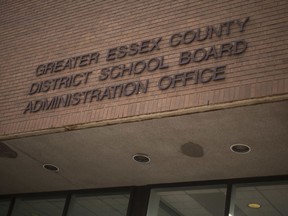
254	205
51	167
240	148
141	158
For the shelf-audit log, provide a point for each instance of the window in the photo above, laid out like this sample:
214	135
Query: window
99	205
204	201
4	206
259	200
39	206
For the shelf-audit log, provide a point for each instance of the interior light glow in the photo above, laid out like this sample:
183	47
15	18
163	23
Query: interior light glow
254	205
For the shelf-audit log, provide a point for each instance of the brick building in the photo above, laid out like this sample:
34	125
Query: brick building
195	91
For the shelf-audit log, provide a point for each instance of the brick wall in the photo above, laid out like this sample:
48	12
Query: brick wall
39	32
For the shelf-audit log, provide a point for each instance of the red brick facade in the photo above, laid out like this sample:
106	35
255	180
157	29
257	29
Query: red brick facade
38	32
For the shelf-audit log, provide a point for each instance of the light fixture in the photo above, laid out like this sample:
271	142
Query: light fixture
254	205
141	158
240	148
51	167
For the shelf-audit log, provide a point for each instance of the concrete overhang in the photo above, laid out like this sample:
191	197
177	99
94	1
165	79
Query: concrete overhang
102	156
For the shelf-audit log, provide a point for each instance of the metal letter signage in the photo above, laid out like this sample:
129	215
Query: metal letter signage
137	68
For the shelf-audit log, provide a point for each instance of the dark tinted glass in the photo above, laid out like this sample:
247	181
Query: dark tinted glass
39	207
99	205
204	201
4	206
260	200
